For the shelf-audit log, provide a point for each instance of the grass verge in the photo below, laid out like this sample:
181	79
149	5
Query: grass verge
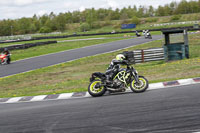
57	47
74	76
73	38
111	36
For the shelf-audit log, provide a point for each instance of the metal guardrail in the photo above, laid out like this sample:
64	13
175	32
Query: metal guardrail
147	55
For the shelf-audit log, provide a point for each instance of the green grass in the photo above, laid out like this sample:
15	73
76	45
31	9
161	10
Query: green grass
62	46
111	28
74	76
70	38
57	47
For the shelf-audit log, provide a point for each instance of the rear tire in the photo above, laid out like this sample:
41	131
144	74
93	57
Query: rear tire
94	90
141	87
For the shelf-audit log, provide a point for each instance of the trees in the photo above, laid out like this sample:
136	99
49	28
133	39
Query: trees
199	5
182	7
160	11
60	22
6	28
84	27
151	11
24	25
92	17
140	12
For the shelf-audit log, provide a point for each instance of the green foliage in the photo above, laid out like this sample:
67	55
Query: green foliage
85	27
45	30
135	20
151	20
91	16
24	25
60	22
175	17
96	25
96	18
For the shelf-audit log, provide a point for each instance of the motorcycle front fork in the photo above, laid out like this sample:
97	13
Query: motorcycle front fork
4	61
136	77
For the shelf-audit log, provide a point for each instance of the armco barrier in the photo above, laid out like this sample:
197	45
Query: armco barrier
27	45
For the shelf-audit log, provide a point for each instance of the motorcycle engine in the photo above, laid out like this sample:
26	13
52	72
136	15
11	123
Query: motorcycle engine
116	83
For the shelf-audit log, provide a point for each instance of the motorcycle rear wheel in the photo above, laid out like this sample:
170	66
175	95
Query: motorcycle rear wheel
95	89
141	87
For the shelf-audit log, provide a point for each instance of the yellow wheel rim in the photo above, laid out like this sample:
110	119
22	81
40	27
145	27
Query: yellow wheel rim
141	86
95	90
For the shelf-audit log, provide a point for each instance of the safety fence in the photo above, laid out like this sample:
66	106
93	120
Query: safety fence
154	54
27	45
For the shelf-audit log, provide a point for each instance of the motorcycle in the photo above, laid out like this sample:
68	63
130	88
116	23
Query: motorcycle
137	34
148	36
5	59
124	78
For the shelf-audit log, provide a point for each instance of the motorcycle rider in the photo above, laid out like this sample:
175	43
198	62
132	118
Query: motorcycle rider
114	67
148	34
137	33
7	53
143	32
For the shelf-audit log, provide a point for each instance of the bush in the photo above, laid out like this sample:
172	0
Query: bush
175	17
96	25
151	20
85	27
45	30
135	20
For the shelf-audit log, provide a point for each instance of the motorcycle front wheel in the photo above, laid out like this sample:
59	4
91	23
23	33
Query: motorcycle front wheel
95	88
8	60
141	86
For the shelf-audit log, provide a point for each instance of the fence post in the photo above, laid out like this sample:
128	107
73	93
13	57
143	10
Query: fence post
142	53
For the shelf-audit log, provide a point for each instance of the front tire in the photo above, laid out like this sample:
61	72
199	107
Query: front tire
8	60
95	89
141	87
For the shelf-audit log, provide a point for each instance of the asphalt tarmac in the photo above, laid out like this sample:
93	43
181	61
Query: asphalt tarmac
65	56
167	110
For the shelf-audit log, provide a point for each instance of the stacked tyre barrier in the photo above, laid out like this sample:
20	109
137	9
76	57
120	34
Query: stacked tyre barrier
27	45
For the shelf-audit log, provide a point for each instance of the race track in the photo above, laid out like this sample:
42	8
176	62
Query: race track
60	57
168	110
